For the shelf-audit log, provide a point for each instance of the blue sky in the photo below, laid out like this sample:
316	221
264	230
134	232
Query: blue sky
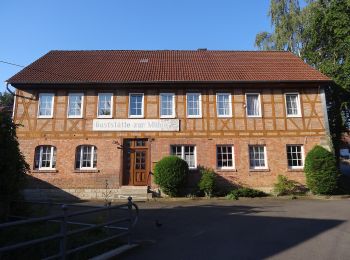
29	29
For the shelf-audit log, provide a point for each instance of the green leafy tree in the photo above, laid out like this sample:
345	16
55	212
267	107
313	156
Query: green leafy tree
6	99
286	21
13	166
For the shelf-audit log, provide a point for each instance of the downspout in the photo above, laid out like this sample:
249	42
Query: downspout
14	100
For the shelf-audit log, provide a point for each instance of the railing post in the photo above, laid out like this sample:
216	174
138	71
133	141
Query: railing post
130	218
63	240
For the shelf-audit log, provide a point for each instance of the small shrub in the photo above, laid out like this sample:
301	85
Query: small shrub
245	192
321	171
284	186
207	181
170	173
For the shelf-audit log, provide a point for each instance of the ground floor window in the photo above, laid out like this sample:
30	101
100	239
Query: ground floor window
86	157
295	154
257	157
45	157
225	156
187	153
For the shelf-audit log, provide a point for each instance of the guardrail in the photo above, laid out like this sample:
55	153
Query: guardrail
64	233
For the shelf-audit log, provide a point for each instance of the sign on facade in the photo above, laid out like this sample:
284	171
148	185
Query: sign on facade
136	125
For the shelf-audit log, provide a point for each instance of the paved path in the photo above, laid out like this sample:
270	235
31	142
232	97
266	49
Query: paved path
244	229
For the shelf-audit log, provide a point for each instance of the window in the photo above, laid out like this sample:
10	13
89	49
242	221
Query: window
253	105
257	157
292	104
86	157
225	158
75	105
45	157
167	105
136	105
223	105
187	153
295	156
105	105
194	105
45	105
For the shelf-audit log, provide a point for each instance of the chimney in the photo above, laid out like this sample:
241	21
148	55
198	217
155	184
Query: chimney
201	49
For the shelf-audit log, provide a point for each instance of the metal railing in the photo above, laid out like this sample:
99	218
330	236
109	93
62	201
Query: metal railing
63	235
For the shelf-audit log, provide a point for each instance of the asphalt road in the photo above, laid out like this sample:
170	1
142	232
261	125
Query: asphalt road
244	229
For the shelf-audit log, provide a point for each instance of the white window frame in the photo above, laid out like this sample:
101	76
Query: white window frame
98	105
91	160
298	104
82	105
51	158
230	103
173	106
265	158
142	108
233	157
52	105
302	156
183	153
200	105
246	105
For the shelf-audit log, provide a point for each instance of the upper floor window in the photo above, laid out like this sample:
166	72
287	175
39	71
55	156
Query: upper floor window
292	104
45	105
223	105
295	156
45	157
194	105
187	153
75	105
136	105
225	157
105	105
86	157
167	105
253	105
257	157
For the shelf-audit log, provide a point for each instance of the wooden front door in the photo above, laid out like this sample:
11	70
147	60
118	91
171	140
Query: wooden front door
136	168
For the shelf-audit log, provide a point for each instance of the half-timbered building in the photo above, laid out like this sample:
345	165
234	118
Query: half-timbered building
94	116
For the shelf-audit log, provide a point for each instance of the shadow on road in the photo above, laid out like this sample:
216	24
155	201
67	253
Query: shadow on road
220	232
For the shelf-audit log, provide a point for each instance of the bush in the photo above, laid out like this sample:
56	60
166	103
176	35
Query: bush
207	181
284	186
170	174
321	171
12	165
245	192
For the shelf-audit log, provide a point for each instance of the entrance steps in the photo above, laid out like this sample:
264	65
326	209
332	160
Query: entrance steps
136	192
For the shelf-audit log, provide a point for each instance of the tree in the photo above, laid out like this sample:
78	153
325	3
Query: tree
286	22
13	166
6	99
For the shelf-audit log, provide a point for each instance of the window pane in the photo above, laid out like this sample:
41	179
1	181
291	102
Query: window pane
257	156
45	104
294	156
292	104
136	104
224	156
166	102
45	157
253	105
105	104
193	104
223	105
75	105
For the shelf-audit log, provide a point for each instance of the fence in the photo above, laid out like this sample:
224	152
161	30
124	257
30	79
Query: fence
63	218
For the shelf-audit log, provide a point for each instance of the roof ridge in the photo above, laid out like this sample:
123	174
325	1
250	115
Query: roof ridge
139	50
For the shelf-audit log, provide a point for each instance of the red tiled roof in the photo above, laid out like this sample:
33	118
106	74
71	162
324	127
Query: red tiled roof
123	66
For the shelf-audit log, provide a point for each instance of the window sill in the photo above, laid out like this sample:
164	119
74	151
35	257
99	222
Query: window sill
136	117
167	117
75	117
259	170
294	116
226	170
194	117
295	170
104	117
87	171
223	117
44	171
254	117
45	117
